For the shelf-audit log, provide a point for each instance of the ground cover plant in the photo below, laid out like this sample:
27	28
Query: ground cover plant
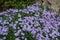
34	22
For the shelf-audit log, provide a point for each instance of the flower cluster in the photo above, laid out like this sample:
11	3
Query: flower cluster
3	30
47	22
42	26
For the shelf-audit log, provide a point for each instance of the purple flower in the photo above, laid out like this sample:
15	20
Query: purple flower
25	11
3	30
17	33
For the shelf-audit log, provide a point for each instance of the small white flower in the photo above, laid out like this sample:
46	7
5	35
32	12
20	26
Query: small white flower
16	22
16	34
17	39
22	34
19	15
4	37
25	38
19	19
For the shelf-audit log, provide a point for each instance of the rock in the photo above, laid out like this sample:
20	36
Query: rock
54	4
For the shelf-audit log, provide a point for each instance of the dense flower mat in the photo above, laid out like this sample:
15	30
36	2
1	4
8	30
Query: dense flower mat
31	23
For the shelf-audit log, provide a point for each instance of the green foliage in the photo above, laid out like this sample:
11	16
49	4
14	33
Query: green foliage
29	36
58	37
10	35
15	4
15	18
24	14
59	29
41	6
